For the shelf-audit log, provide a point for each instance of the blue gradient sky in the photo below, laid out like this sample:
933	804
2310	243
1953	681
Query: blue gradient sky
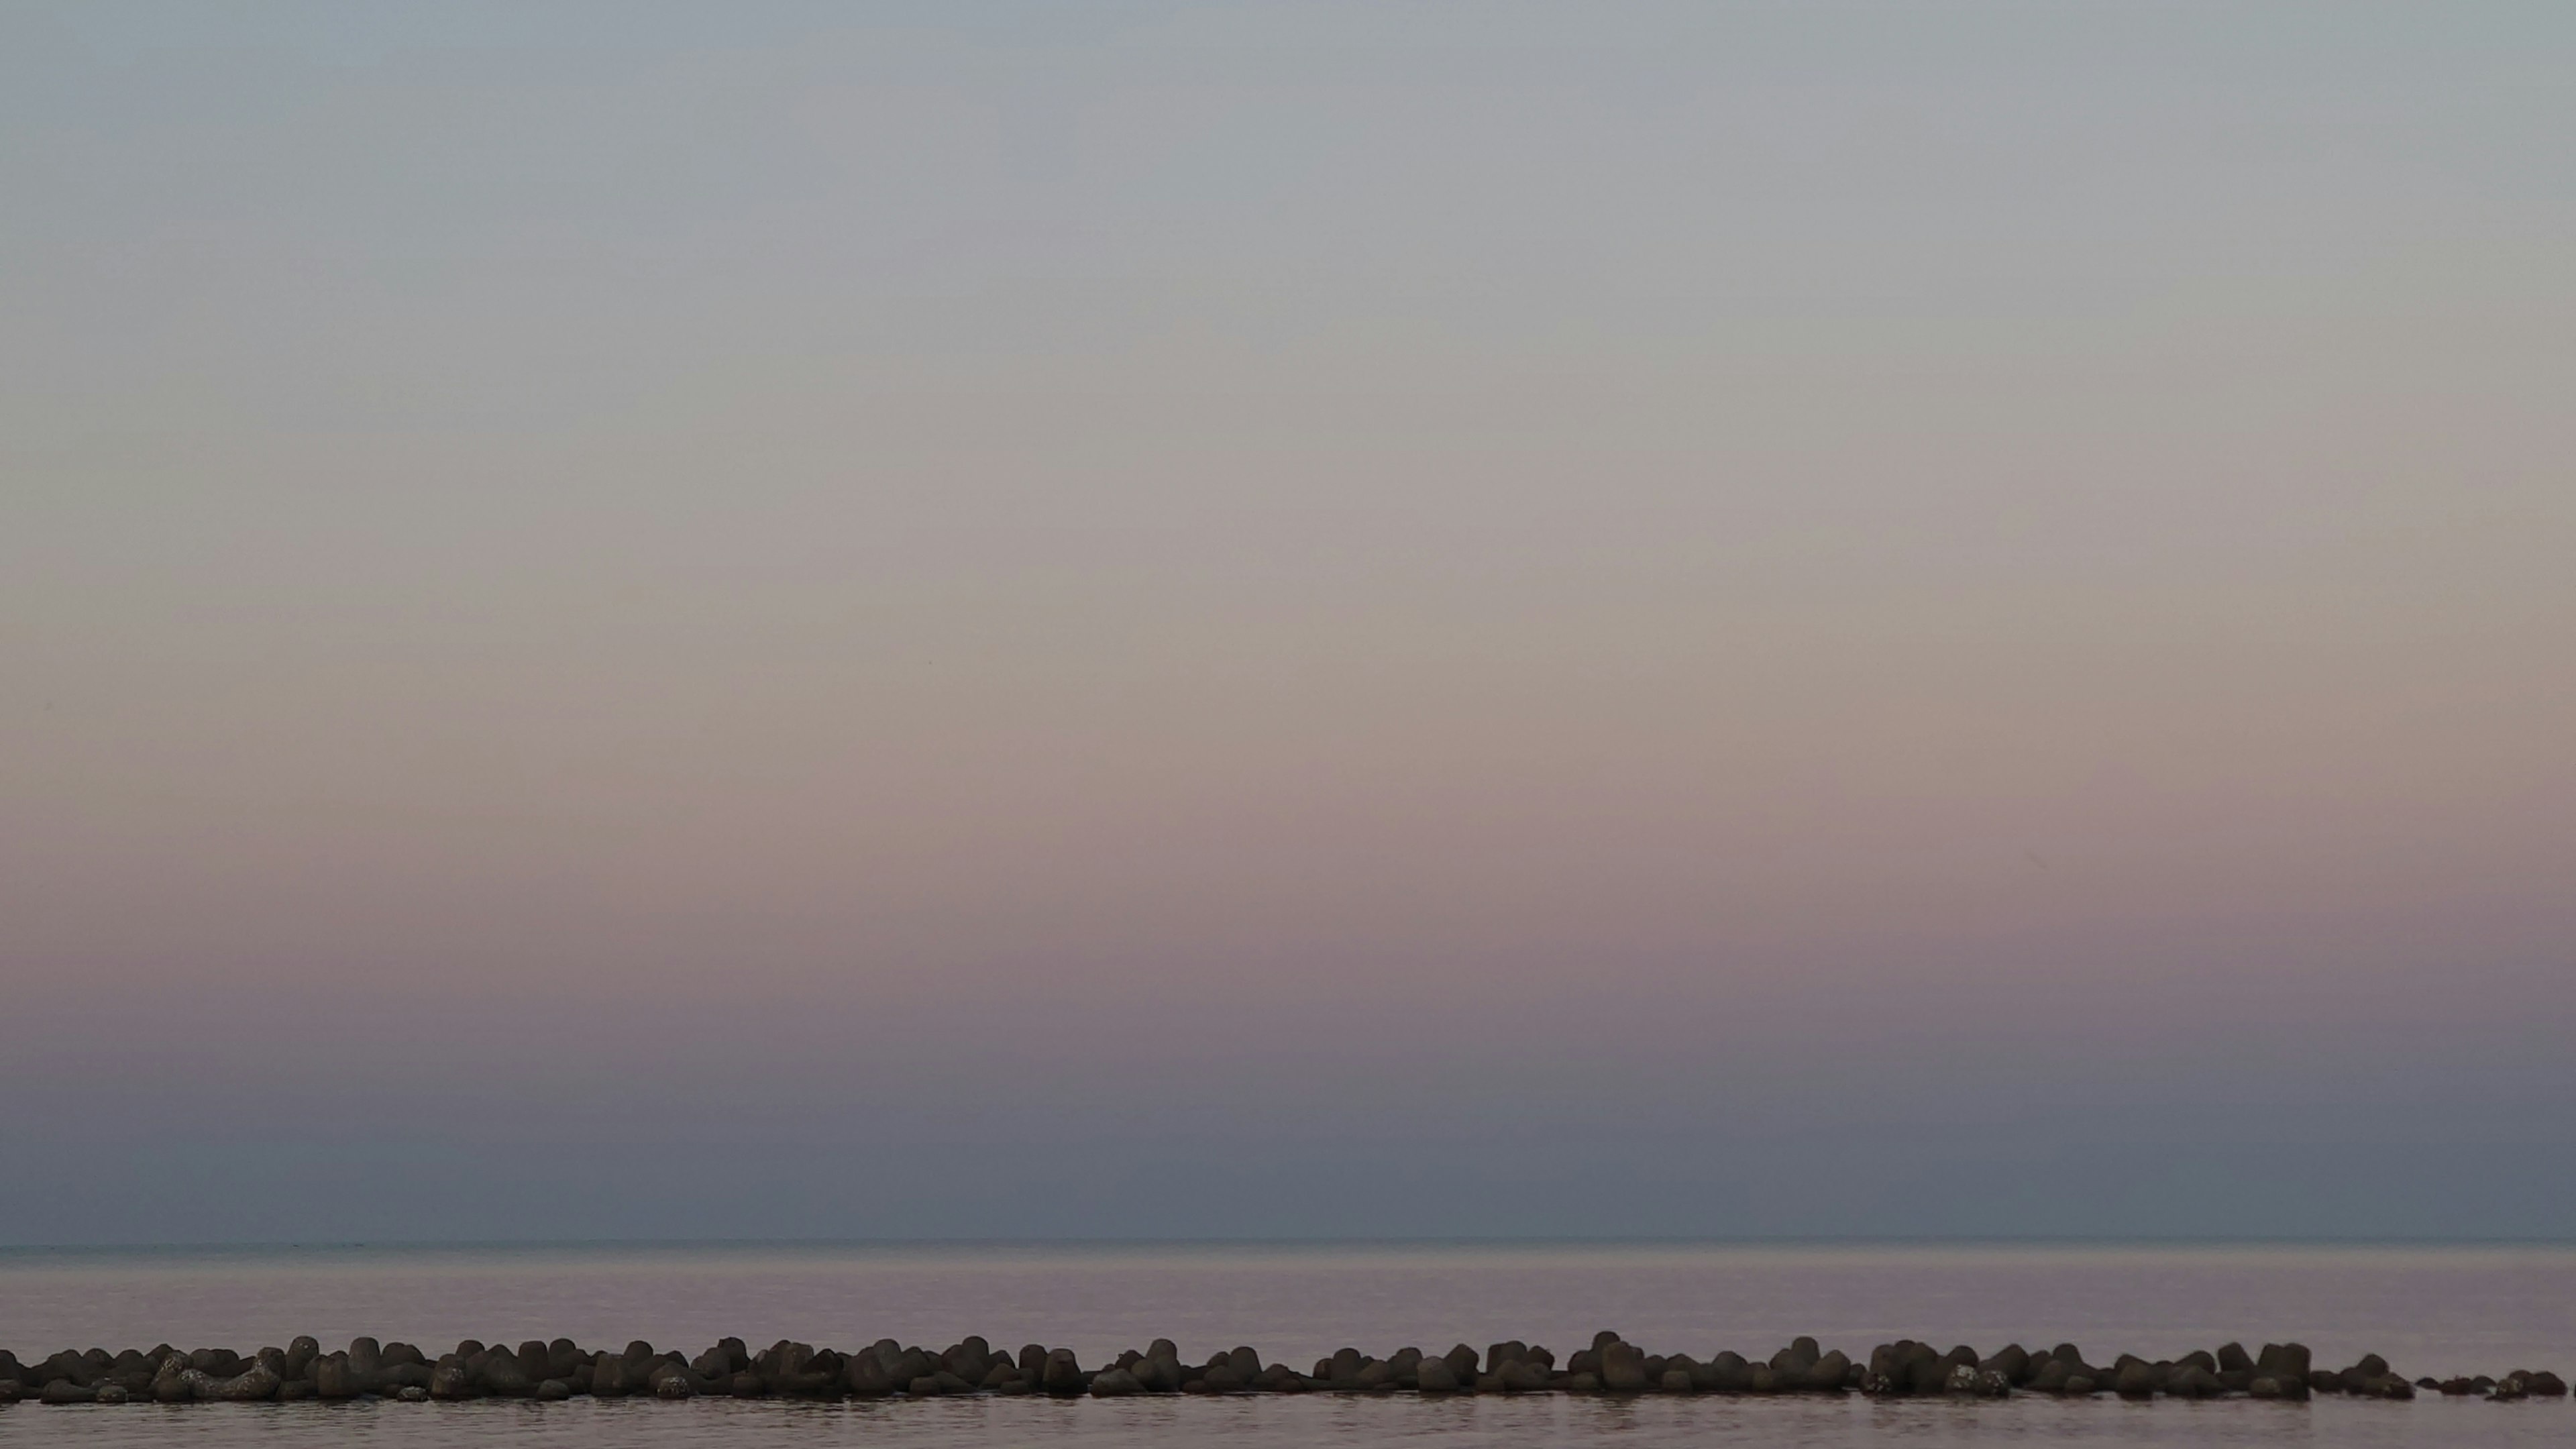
795	621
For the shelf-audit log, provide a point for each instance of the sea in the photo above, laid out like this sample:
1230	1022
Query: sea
2437	1310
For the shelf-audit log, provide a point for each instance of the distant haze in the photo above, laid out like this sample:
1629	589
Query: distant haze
1183	620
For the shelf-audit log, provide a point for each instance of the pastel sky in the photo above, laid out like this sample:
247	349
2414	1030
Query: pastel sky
1122	620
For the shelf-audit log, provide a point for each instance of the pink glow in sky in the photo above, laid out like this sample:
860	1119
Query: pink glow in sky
1315	612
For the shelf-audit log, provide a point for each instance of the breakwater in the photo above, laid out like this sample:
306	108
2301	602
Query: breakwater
562	1369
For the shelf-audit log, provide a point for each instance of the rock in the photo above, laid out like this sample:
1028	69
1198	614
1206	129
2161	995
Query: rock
499	1374
448	1379
1727	1373
1115	1384
925	1387
1160	1371
412	1394
2080	1386
798	1369
2371	1367
1435	1376
2232	1358
2192	1381
1002	1372
553	1391
1902	1367
972	1358
1789	1366
867	1377
332	1378
259	1381
64	1391
2519	1384
1063	1375
110	1392
1829	1374
2276	1384
682	1386
2012	1361
171	1383
2135	1379
1676	1381
608	1378
1623	1367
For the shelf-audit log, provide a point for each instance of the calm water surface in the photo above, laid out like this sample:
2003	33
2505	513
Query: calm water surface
2431	1310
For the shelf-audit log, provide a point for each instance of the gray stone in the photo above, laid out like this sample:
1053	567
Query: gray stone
1623	1367
1828	1374
259	1381
1063	1375
448	1379
2192	1381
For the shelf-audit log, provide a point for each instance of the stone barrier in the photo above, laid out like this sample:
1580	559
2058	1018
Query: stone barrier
562	1369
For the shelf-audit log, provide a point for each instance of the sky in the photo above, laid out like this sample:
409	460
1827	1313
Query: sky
1154	620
